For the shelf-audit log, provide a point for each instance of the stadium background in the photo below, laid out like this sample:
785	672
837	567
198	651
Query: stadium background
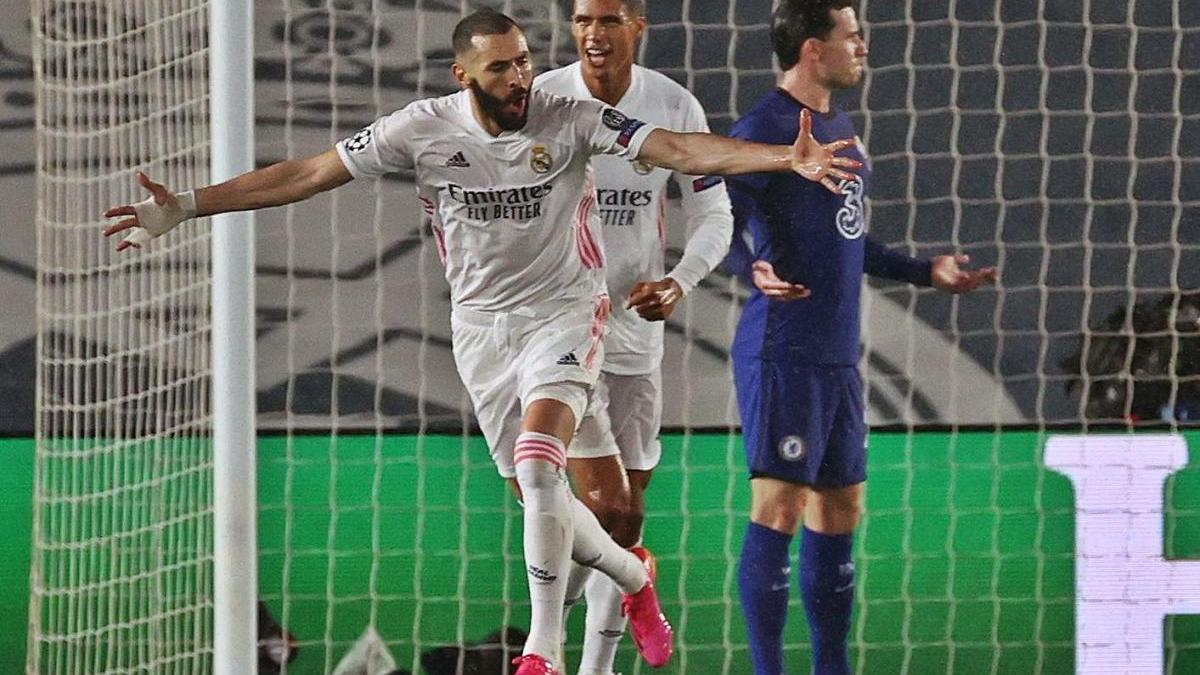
1025	142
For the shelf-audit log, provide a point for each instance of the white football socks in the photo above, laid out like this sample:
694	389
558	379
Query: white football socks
595	548
576	583
605	626
548	538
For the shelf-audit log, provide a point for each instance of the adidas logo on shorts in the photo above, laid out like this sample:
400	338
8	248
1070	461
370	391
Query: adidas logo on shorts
567	359
458	161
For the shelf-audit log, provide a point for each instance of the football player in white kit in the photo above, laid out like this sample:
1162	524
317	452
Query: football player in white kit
616	448
504	175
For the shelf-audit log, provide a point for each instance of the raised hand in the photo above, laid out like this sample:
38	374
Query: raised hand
949	276
153	217
816	161
773	287
654	300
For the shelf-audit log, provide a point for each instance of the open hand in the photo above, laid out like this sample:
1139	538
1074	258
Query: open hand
949	276
773	287
654	300
817	162
150	218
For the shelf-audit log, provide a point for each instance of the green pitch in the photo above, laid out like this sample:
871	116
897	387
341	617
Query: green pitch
965	560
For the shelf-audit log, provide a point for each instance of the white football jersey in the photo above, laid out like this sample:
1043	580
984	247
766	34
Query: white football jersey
514	215
630	196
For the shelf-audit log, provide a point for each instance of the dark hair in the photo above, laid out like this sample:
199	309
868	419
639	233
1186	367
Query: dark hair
635	8
795	21
481	22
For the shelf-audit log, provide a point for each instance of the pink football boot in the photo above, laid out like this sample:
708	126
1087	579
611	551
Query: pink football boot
651	632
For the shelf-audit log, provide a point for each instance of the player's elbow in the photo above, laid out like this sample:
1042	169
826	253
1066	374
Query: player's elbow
671	150
318	174
694	162
722	229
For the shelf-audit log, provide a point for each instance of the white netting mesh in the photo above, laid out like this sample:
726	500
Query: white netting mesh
122	500
1055	139
993	129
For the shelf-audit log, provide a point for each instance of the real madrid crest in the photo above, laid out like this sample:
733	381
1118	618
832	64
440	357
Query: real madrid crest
540	160
641	167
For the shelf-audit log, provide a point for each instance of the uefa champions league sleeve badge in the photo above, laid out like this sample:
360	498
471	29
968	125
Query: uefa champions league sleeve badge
359	141
614	119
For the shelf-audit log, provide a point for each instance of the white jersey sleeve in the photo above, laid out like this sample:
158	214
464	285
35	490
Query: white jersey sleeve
380	148
708	212
608	131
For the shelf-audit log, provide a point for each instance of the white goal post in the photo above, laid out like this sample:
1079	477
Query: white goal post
235	439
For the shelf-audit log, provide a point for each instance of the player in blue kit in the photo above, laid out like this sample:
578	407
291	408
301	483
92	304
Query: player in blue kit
796	352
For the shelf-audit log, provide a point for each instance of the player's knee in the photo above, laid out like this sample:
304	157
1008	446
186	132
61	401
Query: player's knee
850	511
843	517
781	515
629	532
777	504
835	512
611	509
780	521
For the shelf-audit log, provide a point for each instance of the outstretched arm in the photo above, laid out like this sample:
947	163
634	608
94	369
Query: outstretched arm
705	154
948	275
881	261
282	183
286	182
944	272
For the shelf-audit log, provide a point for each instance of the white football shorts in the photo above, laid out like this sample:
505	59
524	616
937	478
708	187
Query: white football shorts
624	417
507	360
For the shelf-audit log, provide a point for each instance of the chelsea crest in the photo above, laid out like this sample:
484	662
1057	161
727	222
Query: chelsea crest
791	448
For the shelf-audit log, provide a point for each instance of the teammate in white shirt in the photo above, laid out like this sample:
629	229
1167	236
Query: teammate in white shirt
616	448
503	173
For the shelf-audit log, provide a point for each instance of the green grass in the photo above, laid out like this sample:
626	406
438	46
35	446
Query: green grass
965	559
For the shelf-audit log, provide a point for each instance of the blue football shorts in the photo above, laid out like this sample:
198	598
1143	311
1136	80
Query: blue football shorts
803	423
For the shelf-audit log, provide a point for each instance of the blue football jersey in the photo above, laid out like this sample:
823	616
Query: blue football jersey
812	237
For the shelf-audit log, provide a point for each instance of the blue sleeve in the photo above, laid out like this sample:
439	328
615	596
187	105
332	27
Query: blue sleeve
744	198
880	261
745	195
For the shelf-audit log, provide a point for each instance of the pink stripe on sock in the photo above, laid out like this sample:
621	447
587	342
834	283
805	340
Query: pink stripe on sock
554	459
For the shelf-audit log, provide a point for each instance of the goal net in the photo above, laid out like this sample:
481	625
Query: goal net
1053	139
121	573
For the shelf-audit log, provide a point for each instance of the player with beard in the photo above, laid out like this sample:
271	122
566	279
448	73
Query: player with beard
617	447
796	351
503	174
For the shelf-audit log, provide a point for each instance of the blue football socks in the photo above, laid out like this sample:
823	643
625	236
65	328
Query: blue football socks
764	575
827	585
